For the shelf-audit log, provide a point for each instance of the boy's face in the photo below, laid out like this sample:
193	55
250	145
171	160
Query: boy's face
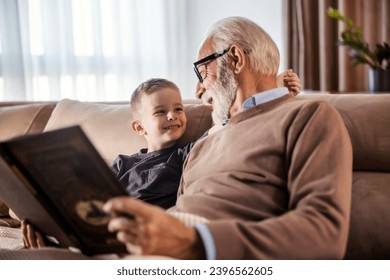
161	118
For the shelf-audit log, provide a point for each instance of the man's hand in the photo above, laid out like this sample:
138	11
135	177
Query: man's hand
152	231
290	80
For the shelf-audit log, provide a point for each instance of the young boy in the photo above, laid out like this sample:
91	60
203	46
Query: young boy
153	174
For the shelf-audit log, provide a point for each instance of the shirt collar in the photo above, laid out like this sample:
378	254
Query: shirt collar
144	151
263	97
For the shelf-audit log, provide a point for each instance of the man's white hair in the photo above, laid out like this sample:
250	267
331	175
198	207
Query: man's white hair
257	44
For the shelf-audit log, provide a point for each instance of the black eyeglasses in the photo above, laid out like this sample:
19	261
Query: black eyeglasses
208	58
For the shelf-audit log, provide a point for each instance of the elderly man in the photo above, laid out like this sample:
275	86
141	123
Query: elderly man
273	183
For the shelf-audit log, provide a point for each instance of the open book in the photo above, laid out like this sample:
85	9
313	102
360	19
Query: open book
58	181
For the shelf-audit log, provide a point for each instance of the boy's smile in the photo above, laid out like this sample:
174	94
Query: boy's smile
172	127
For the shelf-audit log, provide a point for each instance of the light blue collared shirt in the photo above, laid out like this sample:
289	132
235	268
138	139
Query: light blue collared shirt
257	99
264	97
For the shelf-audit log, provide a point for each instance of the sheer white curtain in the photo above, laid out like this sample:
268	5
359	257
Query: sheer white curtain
89	49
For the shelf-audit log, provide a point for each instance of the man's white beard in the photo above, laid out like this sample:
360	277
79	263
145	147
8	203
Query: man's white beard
223	93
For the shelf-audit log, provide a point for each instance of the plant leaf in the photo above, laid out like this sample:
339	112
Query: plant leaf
360	50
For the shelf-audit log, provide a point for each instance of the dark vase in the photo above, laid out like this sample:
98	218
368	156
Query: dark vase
378	80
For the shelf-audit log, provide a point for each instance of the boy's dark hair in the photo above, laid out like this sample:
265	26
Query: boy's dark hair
148	87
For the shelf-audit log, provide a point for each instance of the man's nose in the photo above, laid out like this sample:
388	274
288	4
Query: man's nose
199	90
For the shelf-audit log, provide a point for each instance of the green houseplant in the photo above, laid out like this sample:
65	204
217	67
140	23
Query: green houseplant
377	58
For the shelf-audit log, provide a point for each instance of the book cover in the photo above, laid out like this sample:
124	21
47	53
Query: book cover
59	182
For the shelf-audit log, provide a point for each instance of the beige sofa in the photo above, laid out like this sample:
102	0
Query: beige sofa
366	116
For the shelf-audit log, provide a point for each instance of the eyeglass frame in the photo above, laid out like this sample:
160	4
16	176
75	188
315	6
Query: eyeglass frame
208	58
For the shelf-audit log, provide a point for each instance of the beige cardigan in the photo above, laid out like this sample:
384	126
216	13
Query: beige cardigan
276	182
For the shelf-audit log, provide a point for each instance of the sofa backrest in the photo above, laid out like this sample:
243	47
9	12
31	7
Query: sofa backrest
367	118
108	125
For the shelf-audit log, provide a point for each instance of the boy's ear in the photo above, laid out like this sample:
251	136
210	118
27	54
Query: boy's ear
137	127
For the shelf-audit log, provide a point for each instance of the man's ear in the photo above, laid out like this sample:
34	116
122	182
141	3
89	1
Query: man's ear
238	58
137	127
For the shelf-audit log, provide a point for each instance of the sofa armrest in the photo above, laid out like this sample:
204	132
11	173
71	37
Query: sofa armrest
24	119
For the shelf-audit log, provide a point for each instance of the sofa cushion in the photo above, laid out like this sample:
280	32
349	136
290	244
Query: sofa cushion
369	236
108	125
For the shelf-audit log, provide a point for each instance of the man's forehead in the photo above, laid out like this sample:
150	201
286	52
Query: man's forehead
206	49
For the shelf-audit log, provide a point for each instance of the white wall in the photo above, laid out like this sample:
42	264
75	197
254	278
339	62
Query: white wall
203	13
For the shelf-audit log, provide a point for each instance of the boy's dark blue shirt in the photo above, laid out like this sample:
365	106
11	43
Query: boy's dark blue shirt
153	177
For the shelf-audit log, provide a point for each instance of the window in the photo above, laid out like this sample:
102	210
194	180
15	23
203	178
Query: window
99	50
